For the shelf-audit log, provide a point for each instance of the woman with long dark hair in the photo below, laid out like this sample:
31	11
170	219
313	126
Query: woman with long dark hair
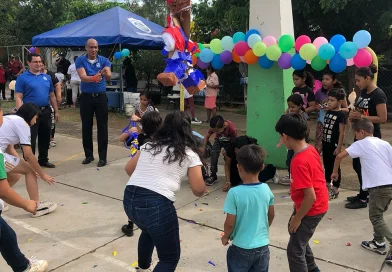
155	174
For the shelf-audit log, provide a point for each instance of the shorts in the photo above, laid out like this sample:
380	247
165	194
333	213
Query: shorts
210	102
10	162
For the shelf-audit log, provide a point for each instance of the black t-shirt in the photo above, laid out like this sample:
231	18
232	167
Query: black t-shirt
367	103
53	77
332	121
130	74
306	93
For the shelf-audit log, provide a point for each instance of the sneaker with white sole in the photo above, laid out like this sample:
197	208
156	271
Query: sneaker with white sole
285	181
275	179
37	265
195	121
375	247
6	207
45	208
53	143
150	269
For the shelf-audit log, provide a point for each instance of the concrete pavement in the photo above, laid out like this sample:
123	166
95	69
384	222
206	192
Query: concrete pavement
87	237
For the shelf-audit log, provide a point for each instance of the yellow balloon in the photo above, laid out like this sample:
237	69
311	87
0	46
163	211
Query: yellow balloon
259	49
273	52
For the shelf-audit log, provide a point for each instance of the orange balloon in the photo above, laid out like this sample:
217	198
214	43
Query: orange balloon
236	58
37	50
250	57
194	60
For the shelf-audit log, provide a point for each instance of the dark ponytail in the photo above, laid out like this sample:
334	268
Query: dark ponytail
309	79
147	94
367	71
243	141
27	111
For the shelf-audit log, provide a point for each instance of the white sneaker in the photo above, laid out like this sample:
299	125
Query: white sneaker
37	265
52	143
285	181
195	121
45	208
6	207
276	178
138	269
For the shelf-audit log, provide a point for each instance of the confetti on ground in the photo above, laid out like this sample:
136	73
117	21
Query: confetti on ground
207	192
195	204
283	196
329	218
216	198
201	210
316	242
191	221
84	202
114	253
222	234
95	266
348	244
62	204
211	263
97	169
205	204
29	240
134	264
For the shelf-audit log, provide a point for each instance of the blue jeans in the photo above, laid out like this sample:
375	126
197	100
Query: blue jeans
157	218
244	260
9	248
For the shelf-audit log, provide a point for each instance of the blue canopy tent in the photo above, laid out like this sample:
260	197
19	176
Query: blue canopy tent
110	27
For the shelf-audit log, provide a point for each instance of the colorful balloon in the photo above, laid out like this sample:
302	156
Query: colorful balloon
269	41
273	52
202	65
125	52
118	55
318	63
308	51
363	58
265	63
201	47
253	39
251	32
217	63
284	61
259	49
206	55
226	57
236	58
337	41
326	51
241	48
337	64
238	37
164	52
286	43
348	50
362	38
250	58
194	60
297	62
319	41
300	41
32	50
350	62
216	46
227	43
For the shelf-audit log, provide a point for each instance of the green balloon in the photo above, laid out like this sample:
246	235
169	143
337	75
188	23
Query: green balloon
216	46
201	47
318	63
286	43
308	51
273	52
259	49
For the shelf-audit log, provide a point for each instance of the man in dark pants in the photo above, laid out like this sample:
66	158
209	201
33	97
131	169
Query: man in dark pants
36	87
93	71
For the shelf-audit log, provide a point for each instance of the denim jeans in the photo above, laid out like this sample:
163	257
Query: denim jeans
244	260
157	218
215	152
9	248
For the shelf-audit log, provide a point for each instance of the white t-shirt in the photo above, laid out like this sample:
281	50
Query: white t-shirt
186	94
72	71
165	179
376	161
60	77
14	131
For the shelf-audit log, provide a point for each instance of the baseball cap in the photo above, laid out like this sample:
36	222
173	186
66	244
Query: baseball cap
12	56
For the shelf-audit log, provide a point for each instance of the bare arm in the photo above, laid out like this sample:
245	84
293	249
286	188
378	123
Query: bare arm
18	100
342	127
229	225
309	199
12	198
196	181
271	214
131	164
11	150
338	160
205	140
381	117
85	78
344	106
227	169
31	159
57	90
312	107
107	73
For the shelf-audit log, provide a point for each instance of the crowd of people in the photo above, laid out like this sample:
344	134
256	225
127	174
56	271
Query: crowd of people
168	150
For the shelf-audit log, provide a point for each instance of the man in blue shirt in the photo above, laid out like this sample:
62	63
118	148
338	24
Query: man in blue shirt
37	88
93	71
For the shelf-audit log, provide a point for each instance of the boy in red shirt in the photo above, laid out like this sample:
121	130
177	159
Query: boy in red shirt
308	191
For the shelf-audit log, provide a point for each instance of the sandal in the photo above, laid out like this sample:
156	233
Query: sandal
226	188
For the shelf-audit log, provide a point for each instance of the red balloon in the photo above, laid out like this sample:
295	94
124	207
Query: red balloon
363	58
301	40
241	48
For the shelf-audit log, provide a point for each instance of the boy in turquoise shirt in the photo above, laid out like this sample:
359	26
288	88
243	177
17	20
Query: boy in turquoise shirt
250	212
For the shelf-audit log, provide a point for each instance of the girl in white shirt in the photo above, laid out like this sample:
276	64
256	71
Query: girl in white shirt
155	175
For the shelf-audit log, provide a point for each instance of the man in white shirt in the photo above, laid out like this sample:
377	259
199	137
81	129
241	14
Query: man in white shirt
75	82
376	162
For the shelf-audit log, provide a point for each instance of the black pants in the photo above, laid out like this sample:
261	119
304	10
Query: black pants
2	89
42	130
69	97
329	161
97	104
363	195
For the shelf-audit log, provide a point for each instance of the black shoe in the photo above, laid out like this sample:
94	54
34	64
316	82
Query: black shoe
101	163
353	198
211	180
88	160
359	204
47	165
127	230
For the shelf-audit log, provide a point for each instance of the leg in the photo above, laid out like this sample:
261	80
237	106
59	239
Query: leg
2	87
45	122
86	114
34	135
319	136
12	94
237	260
208	115
9	248
261	260
379	200
75	89
191	103
185	104
144	250
328	161
213	112
101	113
25	169
215	152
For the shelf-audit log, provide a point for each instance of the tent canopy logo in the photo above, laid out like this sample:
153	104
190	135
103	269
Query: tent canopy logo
139	25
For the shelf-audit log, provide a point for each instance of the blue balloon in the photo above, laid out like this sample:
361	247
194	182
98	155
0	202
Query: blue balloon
266	63
206	55
238	37
362	38
125	52
326	51
337	64
164	52
348	50
297	62
217	63
250	32
118	55
337	41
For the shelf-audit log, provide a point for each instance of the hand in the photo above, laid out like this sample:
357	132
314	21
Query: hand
135	118
37	175
225	240
326	108
97	77
105	71
355	115
318	107
133	130
203	149
50	180
337	151
294	224
334	176
31	206
223	151
57	116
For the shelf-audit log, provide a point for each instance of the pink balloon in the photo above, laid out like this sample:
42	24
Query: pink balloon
319	41
350	62
363	58
301	40
270	40
242	59
241	48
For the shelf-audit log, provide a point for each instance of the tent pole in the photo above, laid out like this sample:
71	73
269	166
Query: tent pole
182	97
121	87
23	62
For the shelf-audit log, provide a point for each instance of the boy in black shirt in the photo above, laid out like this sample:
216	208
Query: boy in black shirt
333	135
